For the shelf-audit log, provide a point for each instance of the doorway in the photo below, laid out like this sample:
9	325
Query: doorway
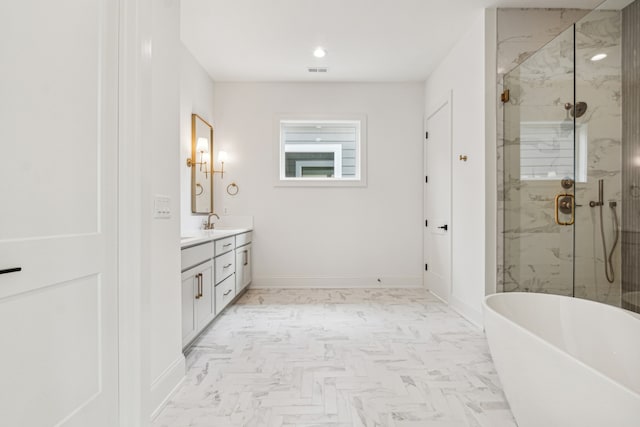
437	201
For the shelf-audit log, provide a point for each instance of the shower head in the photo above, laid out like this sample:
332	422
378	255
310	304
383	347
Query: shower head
577	110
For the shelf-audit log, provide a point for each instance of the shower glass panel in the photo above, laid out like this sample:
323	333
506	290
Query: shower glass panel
540	171
598	74
572	162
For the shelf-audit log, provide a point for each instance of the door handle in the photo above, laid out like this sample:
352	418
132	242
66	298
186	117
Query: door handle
11	270
444	227
565	202
246	258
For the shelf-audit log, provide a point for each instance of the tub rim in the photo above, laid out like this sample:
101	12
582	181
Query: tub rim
555	348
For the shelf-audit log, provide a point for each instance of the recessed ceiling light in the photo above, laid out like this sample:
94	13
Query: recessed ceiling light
319	52
599	57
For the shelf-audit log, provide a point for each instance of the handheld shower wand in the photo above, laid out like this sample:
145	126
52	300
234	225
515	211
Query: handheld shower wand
600	201
608	256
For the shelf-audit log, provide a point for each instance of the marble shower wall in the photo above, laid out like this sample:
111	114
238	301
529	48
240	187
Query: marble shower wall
538	252
521	33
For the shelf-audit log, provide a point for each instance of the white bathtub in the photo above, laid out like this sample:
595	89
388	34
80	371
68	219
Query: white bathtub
565	362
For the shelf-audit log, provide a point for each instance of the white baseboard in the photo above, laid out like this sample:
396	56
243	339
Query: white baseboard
467	312
166	385
333	282
444	301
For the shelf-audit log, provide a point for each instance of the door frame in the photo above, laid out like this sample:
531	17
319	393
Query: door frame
134	117
444	102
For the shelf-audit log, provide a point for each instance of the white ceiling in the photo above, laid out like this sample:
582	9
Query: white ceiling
366	40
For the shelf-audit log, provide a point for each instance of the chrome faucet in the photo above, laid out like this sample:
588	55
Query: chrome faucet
210	225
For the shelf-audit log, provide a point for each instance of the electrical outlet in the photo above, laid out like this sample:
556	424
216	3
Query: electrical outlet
162	207
225	211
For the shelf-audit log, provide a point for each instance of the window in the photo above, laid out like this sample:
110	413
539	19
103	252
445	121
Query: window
321	151
547	151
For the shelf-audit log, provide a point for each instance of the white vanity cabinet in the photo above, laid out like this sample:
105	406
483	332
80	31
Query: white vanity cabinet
210	264
243	261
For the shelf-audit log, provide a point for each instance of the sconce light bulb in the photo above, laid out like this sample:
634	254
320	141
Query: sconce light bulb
222	156
319	52
202	145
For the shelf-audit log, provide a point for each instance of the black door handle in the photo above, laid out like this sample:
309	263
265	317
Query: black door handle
11	270
444	227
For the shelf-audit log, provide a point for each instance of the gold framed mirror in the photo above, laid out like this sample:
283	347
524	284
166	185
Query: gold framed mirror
201	165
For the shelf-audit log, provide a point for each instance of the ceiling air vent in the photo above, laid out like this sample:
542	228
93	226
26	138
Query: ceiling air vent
318	69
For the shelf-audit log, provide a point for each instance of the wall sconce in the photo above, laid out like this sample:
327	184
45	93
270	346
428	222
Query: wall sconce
222	156
202	147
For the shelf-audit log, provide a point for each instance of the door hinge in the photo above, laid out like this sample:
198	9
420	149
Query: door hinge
505	96
426	267
426	179
426	135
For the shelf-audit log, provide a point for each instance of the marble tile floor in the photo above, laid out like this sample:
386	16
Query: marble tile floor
366	357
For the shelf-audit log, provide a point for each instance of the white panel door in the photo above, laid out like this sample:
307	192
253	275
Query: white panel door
58	211
437	202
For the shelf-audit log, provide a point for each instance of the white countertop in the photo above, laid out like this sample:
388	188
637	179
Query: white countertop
201	236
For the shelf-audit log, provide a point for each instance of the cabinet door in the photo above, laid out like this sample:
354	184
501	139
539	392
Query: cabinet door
189	292
205	304
243	267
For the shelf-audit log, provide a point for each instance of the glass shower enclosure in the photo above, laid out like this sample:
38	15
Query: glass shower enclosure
572	160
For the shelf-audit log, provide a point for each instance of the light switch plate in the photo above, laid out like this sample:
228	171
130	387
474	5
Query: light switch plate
162	207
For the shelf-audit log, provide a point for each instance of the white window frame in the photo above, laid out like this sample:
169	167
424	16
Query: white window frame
280	180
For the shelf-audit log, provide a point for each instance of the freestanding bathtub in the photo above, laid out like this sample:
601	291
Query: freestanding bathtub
565	362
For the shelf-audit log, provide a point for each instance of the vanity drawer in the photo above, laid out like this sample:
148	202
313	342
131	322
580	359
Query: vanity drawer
225	266
225	293
243	239
196	255
225	245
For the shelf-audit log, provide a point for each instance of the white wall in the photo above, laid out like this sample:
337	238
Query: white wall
161	237
315	237
196	96
464	73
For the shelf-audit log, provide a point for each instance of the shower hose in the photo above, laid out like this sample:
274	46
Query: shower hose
608	256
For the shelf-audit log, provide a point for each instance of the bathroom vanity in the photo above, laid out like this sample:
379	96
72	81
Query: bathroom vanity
216	269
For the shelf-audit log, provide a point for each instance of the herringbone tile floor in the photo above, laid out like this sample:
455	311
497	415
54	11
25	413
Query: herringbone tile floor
339	358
